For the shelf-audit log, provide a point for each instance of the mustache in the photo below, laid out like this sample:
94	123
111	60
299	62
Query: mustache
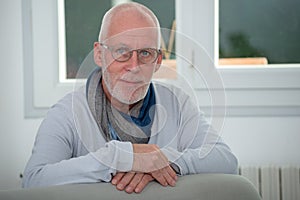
133	78
129	79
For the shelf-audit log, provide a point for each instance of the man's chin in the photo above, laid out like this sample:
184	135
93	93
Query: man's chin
130	96
130	101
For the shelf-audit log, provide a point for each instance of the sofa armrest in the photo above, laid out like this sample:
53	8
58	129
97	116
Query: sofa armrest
200	186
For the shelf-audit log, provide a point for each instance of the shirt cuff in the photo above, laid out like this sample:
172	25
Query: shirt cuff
124	150
176	168
174	158
116	155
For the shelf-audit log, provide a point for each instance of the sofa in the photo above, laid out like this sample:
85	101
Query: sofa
198	187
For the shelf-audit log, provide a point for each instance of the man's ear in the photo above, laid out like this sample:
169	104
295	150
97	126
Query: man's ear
97	54
158	62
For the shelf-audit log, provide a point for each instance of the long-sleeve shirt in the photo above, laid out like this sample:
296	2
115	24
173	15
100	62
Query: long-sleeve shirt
70	148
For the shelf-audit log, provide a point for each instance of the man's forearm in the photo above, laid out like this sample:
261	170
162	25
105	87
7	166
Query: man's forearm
93	167
191	161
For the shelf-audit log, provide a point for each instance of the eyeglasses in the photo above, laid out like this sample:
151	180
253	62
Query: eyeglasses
123	53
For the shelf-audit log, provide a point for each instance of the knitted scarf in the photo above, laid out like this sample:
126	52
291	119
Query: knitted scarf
113	124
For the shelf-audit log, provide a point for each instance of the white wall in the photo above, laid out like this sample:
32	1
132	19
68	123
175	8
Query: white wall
16	133
264	140
255	140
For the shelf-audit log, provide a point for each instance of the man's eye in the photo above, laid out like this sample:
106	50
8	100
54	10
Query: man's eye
145	53
121	51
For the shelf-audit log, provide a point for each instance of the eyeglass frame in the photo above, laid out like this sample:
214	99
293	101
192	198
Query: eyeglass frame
158	51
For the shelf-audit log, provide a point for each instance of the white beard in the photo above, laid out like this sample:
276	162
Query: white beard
125	95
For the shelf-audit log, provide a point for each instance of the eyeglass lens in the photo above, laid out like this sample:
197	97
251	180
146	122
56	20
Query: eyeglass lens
145	55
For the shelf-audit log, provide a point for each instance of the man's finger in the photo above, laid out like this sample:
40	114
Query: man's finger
169	176
125	180
165	176
159	177
115	180
172	173
142	184
134	182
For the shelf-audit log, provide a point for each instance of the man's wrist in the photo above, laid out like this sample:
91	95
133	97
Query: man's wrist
176	168
124	150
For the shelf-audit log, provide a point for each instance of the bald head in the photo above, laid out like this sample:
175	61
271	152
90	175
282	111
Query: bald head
128	16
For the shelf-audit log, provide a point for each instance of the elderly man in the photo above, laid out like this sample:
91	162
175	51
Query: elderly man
122	127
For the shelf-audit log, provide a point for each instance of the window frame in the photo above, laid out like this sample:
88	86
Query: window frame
267	76
278	85
43	86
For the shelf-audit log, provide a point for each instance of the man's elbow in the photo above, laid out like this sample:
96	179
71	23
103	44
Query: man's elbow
31	178
231	165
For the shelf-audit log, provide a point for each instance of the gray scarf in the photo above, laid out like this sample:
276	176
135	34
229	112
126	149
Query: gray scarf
108	118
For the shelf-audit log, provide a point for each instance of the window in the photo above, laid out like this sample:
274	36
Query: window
82	24
251	90
255	91
267	30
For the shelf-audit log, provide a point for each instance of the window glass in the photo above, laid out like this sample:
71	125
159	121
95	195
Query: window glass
83	21
256	28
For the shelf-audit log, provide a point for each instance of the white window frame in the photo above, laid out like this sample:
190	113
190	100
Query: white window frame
266	76
272	90
42	84
277	86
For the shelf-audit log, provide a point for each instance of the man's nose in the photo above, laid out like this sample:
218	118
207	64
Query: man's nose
133	64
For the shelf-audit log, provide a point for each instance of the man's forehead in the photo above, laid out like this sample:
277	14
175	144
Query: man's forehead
139	36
